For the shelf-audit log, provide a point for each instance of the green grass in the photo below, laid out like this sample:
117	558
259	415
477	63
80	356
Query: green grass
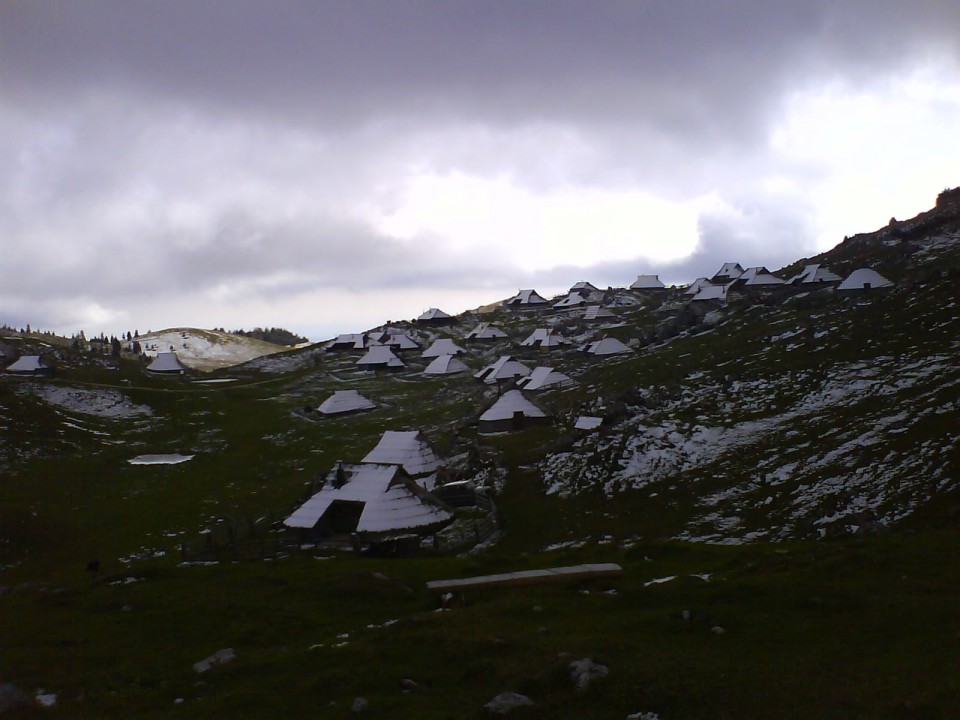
855	627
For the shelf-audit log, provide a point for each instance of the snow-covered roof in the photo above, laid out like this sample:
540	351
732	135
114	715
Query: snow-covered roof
595	312
588	422
544	377
711	292
571	300
445	365
584	286
351	340
380	355
697	285
864	279
166	362
344	401
401	341
544	337
390	504
485	331
27	363
730	270
503	369
526	297
510	403
433	314
812	274
406	448
442	346
607	346
647	282
759	276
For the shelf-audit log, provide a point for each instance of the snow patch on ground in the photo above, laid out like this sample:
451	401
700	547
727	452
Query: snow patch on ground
101	402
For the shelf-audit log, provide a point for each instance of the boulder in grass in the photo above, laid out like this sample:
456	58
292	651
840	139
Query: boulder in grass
220	657
585	671
505	702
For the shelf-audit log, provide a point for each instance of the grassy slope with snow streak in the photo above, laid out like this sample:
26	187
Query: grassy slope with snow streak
821	415
206	349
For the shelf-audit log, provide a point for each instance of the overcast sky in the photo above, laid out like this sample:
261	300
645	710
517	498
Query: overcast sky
327	166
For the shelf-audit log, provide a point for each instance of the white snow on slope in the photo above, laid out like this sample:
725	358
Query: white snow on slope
101	402
206	349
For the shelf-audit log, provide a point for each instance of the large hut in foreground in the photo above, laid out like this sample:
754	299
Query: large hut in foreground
371	502
410	450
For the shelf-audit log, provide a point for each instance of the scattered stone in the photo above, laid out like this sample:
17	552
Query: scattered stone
643	716
583	672
717	630
177	701
686	615
406	684
46	699
360	704
220	657
505	702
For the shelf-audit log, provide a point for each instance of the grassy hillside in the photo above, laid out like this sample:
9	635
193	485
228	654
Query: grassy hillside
824	423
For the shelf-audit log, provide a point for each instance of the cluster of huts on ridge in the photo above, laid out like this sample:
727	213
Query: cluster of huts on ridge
402	488
395	488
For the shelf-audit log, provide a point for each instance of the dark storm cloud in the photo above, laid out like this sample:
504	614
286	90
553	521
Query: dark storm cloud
686	66
154	147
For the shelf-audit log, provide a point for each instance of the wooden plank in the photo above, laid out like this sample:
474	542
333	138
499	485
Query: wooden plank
528	577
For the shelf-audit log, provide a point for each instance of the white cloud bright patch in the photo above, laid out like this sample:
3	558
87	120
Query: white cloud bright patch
539	231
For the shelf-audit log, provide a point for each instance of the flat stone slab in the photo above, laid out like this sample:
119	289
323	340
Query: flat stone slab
528	577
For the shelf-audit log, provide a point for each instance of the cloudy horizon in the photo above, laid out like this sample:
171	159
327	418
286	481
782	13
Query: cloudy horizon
327	166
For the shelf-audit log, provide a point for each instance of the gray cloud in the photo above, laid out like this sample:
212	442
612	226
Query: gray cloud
181	147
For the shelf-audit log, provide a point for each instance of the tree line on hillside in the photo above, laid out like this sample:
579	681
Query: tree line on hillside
277	336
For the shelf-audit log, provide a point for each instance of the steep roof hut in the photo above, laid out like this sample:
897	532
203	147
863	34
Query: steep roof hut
697	285
862	280
166	363
345	401
374	501
728	272
400	341
485	331
29	365
407	448
445	365
584	288
524	298
380	356
570	301
503	369
543	378
647	282
442	346
595	312
512	411
347	341
544	338
607	346
434	316
716	293
814	274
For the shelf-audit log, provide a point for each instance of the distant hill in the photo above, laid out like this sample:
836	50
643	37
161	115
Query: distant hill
206	349
277	336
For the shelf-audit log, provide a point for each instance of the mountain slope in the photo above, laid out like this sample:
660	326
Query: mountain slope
207	349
